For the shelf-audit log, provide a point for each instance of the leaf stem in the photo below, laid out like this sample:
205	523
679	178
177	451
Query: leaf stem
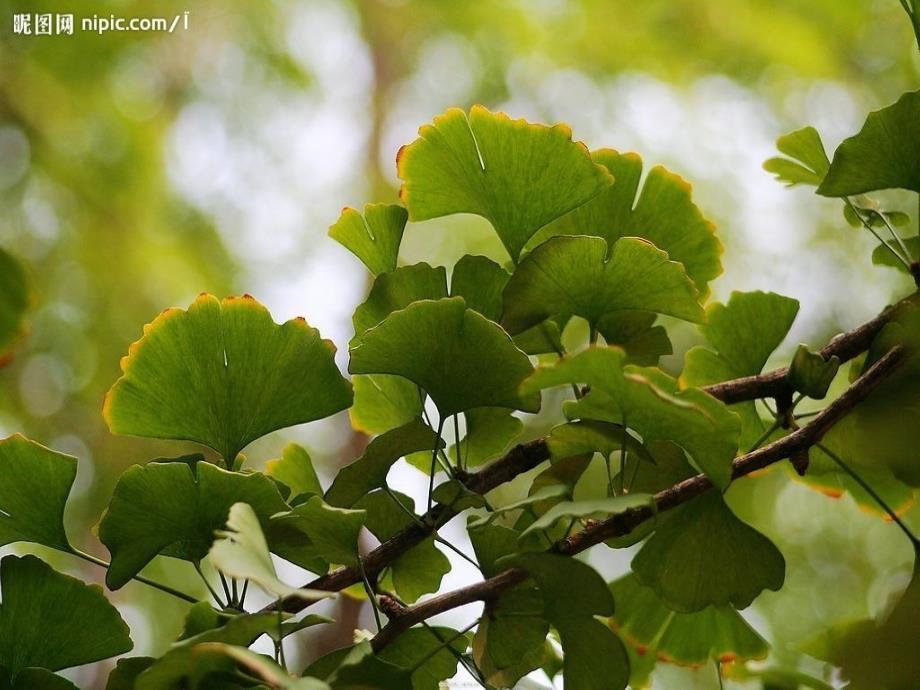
446	643
371	595
223	582
869	490
140	578
869	227
207	584
457	443
434	458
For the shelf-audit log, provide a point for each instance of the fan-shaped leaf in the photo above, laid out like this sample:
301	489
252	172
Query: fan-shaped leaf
480	282
601	508
34	485
370	470
663	213
811	374
489	433
53	621
295	470
374	237
166	508
460	358
717	633
702	555
241	551
807	161
648	401
314	535
224	374
517	175
885	154
397	290
384	402
431	647
577	276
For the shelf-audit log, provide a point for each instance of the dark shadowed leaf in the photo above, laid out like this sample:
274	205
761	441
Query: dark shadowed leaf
53	621
316	530
811	374
519	176
489	433
416	645
480	282
702	555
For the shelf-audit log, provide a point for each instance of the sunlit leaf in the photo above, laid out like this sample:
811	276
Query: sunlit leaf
397	290
373	237
583	276
457	356
384	402
14	300
224	374
573	594
241	552
34	485
663	213
370	470
648	401
168	508
295	470
702	555
717	633
53	621
807	161
884	154
519	176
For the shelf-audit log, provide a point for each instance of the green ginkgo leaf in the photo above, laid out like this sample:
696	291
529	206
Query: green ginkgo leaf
53	621
34	485
358	668
583	276
295	470
811	374
701	555
519	176
649	401
384	402
430	653
573	594
374	237
480	282
636	333
171	509
241	551
717	633
742	333
600	508
578	438
807	161
884	154
397	290
14	300
315	535
489	434
663	213
369	472
457	356
260	666
224	374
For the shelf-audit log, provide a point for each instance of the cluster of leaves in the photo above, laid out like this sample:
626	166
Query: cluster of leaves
444	355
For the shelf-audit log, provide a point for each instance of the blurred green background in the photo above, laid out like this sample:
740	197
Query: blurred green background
139	169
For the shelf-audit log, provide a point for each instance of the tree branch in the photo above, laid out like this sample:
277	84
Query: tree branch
526	456
623	523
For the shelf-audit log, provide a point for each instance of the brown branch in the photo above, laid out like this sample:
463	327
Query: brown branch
525	457
623	523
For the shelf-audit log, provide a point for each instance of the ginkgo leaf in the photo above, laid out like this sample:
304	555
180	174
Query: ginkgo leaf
314	535
811	374
600	508
241	551
430	653
369	472
384	402
295	470
419	570
636	333
884	154
807	161
519	176
663	213
882	256
374	237
480	282
170	508
262	667
358	668
877	654
14	300
647	400
489	433
224	374
34	485
881	430
457	356
717	633
701	554
742	333
584	276
578	438
573	594
397	290
53	621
